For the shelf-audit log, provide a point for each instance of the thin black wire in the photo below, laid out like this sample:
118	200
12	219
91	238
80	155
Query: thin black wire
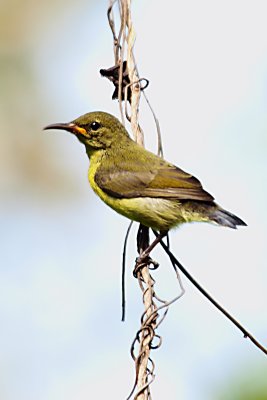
209	297
123	291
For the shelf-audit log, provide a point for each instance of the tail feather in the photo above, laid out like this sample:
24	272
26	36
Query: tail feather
225	218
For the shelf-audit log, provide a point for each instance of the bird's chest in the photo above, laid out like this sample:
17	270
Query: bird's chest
94	164
126	207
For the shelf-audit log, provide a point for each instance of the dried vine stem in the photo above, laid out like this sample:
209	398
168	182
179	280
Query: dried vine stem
152	315
134	78
126	37
145	335
151	319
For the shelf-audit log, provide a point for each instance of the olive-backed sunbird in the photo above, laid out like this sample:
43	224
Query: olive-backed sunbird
138	184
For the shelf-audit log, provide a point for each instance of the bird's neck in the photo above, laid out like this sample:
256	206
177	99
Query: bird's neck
122	144
95	155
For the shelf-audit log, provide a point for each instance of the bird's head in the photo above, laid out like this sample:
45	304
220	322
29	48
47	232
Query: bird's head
96	130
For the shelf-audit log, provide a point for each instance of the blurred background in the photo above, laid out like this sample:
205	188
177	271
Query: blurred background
61	248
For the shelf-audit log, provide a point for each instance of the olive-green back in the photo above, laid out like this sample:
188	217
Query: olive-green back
130	171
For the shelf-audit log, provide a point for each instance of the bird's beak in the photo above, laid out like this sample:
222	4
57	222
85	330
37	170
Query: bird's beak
70	127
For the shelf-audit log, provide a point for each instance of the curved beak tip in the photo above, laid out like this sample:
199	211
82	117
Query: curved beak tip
70	127
58	126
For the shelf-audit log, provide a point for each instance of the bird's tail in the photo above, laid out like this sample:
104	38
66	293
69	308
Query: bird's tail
225	218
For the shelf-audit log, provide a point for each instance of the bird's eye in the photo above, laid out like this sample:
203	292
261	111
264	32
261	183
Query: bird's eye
95	126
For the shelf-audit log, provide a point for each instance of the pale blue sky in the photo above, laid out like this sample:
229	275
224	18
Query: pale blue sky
61	335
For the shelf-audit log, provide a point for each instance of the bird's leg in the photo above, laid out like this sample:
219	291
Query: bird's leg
142	238
143	246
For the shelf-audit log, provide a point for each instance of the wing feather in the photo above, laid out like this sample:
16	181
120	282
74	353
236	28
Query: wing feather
169	183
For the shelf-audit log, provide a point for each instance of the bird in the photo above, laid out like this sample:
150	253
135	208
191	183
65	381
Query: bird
138	184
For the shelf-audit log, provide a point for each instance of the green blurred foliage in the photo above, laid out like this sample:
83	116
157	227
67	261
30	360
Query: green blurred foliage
246	385
25	167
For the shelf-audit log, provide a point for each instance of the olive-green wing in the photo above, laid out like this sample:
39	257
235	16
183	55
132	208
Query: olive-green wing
163	181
